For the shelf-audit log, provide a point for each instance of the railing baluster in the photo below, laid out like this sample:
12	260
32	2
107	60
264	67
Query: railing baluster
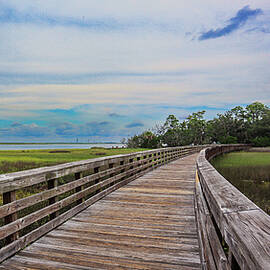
50	185
79	175
9	197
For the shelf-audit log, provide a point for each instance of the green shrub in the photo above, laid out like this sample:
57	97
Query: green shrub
228	140
261	141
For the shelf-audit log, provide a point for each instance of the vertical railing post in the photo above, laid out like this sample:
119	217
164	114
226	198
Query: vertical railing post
151	160
131	167
155	159
144	163
9	197
50	185
159	158
78	175
111	165
96	170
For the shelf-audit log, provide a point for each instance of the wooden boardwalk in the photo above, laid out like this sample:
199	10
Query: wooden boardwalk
148	224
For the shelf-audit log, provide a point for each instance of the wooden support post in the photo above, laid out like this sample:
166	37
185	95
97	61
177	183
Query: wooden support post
144	157
155	160
139	165
112	174
150	160
78	189
122	163
131	167
52	184
96	170
9	197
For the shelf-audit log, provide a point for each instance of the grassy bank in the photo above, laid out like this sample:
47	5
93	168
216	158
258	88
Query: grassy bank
239	159
17	160
249	172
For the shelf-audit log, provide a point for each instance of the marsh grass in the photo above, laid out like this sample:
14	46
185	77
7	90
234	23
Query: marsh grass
18	160
248	172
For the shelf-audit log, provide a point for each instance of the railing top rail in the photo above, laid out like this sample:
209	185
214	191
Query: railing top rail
16	180
244	226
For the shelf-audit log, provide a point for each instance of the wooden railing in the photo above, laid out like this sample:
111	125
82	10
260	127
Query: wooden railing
59	192
233	231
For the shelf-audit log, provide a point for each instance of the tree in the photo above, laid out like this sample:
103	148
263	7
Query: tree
196	126
238	125
256	112
145	140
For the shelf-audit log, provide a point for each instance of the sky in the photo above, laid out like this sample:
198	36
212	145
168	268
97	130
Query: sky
103	70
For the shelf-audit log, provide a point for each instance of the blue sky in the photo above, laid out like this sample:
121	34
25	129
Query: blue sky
102	70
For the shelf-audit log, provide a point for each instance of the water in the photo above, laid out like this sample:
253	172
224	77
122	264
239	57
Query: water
57	146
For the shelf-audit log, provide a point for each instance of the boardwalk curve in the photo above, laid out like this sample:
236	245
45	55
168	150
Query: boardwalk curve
148	224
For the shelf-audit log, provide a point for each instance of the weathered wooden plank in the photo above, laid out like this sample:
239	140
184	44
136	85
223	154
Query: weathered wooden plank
105	229
126	251
248	235
162	204
99	261
133	242
23	263
132	235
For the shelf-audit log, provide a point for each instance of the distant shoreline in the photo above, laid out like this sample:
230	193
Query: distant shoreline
21	143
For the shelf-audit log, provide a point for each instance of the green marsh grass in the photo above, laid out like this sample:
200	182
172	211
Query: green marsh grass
249	172
19	160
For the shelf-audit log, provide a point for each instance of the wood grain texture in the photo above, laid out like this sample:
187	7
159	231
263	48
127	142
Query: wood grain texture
146	224
242	224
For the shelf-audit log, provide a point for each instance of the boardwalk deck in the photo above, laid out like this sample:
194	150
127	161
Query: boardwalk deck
147	224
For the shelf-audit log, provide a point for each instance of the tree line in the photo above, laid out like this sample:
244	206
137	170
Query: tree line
250	124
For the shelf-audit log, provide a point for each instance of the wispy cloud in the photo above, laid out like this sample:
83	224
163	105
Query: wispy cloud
24	130
242	16
135	124
53	78
9	14
116	115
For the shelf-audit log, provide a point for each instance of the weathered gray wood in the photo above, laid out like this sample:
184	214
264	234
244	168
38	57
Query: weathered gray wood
9	197
35	216
15	246
244	226
248	235
207	256
31	200
131	167
78	176
53	184
157	231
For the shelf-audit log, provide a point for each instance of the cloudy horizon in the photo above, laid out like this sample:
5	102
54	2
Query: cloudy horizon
105	70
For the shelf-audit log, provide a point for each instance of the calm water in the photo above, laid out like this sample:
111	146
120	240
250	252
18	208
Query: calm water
56	146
